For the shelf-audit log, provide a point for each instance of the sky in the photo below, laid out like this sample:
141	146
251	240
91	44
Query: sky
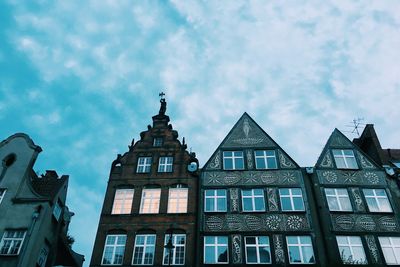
82	79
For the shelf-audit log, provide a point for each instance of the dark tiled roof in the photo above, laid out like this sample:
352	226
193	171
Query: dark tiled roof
49	184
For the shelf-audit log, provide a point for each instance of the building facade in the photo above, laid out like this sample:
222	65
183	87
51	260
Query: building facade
254	206
150	207
34	218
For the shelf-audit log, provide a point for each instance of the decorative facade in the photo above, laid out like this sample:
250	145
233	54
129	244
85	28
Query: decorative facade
150	207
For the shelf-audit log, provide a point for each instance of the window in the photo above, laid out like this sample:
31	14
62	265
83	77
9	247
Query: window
11	242
122	201
42	258
265	159
165	164
143	253
177	252
344	159
233	160
2	193
150	200
253	200
215	200
257	249
291	199
396	163
215	249
300	250
158	141
391	249
114	250
338	199
177	200
351	249
144	165
377	200
57	210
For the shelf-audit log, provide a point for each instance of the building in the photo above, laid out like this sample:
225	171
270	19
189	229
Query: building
254	204
34	218
358	215
150	207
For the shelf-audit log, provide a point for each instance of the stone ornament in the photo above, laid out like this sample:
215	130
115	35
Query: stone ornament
215	162
372	248
358	199
343	177
372	177
337	140
330	176
272	199
279	253
365	163
284	161
249	159
234	193
368	223
327	160
236	249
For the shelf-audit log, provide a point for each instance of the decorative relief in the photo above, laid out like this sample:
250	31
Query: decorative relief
252	178
357	199
234	193
272	199
236	249
365	163
249	159
215	162
279	253
263	222
285	161
337	140
327	160
351	177
372	247
369	223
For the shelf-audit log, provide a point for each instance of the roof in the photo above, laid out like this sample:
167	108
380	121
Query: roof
49	184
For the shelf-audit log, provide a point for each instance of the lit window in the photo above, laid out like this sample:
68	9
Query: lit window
122	201
215	200
2	193
177	200
338	199
177	253
150	200
143	253
377	200
300	250
215	249
258	250
265	159
165	164
114	250
345	159
233	160
11	242
351	250
291	199
391	249
144	165
158	141
253	200
57	210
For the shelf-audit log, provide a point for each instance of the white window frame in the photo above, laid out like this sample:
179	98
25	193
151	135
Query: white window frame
391	247
253	197
114	247
265	157
173	252
122	200
345	158
144	164
13	239
152	198
215	197
375	198
337	196
144	246
258	248
57	210
233	157
291	196
2	194
351	246
165	164
300	245
216	245
157	142
42	258
181	200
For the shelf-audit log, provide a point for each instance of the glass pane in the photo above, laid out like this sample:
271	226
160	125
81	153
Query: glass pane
221	202
345	203
121	240
151	239
380	192
110	240
305	240
332	203
209	192
247	204
368	192
238	153
260	163
246	192
384	241
372	204
271	163
345	254
259	153
286	204
250	240
337	152
222	254
308	255
209	240
329	191
221	192
239	164
228	164
355	240
222	240
259	204
296	191
359	255
291	239
251	255
390	258
210	204
265	255
263	240
209	255
352	163
348	152
340	163
384	205
283	191
298	203
396	241
258	192
294	254
341	240
270	153
139	240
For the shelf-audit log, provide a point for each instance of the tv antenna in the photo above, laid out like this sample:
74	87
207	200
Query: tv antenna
356	124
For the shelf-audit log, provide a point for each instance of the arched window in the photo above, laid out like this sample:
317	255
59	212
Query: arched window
144	249
178	199
114	248
150	202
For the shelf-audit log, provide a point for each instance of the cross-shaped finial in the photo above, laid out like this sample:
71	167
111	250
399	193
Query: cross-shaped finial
161	95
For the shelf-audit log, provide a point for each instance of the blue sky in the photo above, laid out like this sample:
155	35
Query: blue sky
82	78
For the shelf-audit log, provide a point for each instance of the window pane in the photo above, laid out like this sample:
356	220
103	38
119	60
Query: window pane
294	254
340	163
260	163
251	255
286	204
210	204
384	205
221	202
372	204
209	255
265	255
259	204
308	255
298	203
221	192
250	240
239	164
228	164
352	163
247	204
390	257
291	239
222	254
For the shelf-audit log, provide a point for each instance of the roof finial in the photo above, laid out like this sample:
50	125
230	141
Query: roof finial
163	107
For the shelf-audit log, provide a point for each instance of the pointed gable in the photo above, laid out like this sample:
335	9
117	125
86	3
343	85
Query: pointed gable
246	134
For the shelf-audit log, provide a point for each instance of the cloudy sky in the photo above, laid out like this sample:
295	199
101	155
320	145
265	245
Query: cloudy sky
82	78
